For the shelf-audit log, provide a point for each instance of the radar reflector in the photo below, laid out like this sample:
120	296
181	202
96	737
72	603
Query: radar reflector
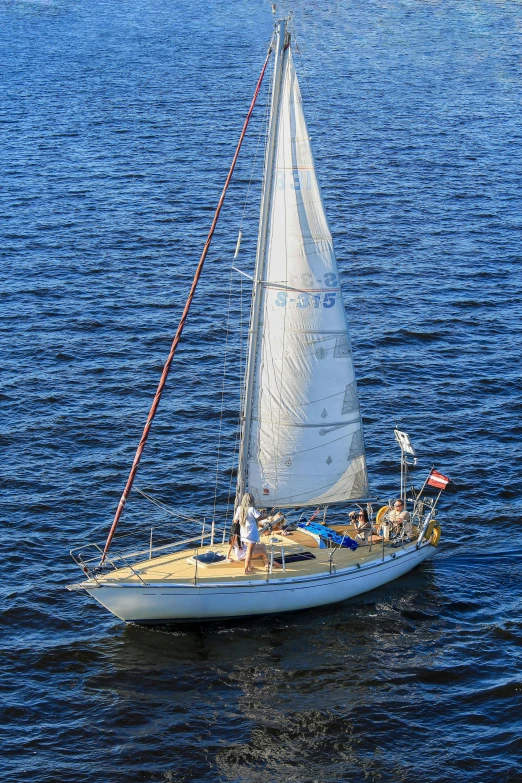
403	439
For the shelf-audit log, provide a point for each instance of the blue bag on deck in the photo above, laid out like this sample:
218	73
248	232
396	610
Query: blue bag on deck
329	534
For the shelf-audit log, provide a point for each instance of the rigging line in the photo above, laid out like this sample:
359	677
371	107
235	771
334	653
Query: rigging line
177	337
222	397
255	337
262	132
282	127
229	495
241	357
238	425
271	377
306	77
242	360
236	438
165	508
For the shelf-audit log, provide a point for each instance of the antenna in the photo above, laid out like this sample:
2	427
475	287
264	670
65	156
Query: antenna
407	450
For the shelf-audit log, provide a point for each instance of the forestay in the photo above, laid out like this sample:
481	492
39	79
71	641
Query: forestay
305	435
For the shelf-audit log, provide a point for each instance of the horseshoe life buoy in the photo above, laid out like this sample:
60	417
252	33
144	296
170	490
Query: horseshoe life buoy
429	529
436	533
380	514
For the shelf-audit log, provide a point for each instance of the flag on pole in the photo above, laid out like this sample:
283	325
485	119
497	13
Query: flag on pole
436	479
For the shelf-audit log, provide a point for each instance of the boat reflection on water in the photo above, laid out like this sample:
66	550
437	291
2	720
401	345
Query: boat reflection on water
306	696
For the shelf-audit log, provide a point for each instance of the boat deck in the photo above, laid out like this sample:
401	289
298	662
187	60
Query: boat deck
180	567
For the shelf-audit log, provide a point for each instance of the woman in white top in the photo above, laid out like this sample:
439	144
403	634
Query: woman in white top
248	516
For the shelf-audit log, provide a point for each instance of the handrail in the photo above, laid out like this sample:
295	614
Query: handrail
141	551
133	571
163	546
78	550
196	568
427	520
75	554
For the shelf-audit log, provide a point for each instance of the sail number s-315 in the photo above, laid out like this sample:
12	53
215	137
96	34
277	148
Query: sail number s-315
306	300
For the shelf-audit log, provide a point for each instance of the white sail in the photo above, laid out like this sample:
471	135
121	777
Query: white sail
304	443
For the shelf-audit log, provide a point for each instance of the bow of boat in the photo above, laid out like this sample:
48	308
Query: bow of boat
180	586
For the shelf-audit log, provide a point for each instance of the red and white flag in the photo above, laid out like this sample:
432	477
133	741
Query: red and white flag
436	479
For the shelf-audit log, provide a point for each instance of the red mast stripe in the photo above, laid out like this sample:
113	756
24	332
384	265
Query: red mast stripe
181	324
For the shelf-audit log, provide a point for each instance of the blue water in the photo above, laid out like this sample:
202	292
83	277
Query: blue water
118	122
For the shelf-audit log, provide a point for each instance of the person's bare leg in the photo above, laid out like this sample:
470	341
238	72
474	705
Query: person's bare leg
260	549
248	558
266	560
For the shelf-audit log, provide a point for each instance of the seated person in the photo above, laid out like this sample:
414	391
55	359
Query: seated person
277	522
236	551
359	519
400	518
362	523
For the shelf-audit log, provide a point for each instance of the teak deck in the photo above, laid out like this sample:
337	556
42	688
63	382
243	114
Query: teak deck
179	567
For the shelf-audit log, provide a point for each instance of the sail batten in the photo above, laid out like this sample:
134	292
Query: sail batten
304	440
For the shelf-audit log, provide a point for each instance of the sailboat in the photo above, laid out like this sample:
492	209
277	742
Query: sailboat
302	447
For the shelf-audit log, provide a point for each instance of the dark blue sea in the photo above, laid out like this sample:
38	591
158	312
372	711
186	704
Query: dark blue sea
118	122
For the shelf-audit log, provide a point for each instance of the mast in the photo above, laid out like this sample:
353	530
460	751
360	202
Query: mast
279	48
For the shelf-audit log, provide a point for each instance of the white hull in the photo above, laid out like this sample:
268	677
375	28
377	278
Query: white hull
162	603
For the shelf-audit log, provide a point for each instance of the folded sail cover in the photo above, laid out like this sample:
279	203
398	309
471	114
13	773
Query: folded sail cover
306	440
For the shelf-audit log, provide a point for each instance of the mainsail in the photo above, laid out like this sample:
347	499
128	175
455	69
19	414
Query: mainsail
302	435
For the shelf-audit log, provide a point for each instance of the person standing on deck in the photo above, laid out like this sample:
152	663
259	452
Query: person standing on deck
248	516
